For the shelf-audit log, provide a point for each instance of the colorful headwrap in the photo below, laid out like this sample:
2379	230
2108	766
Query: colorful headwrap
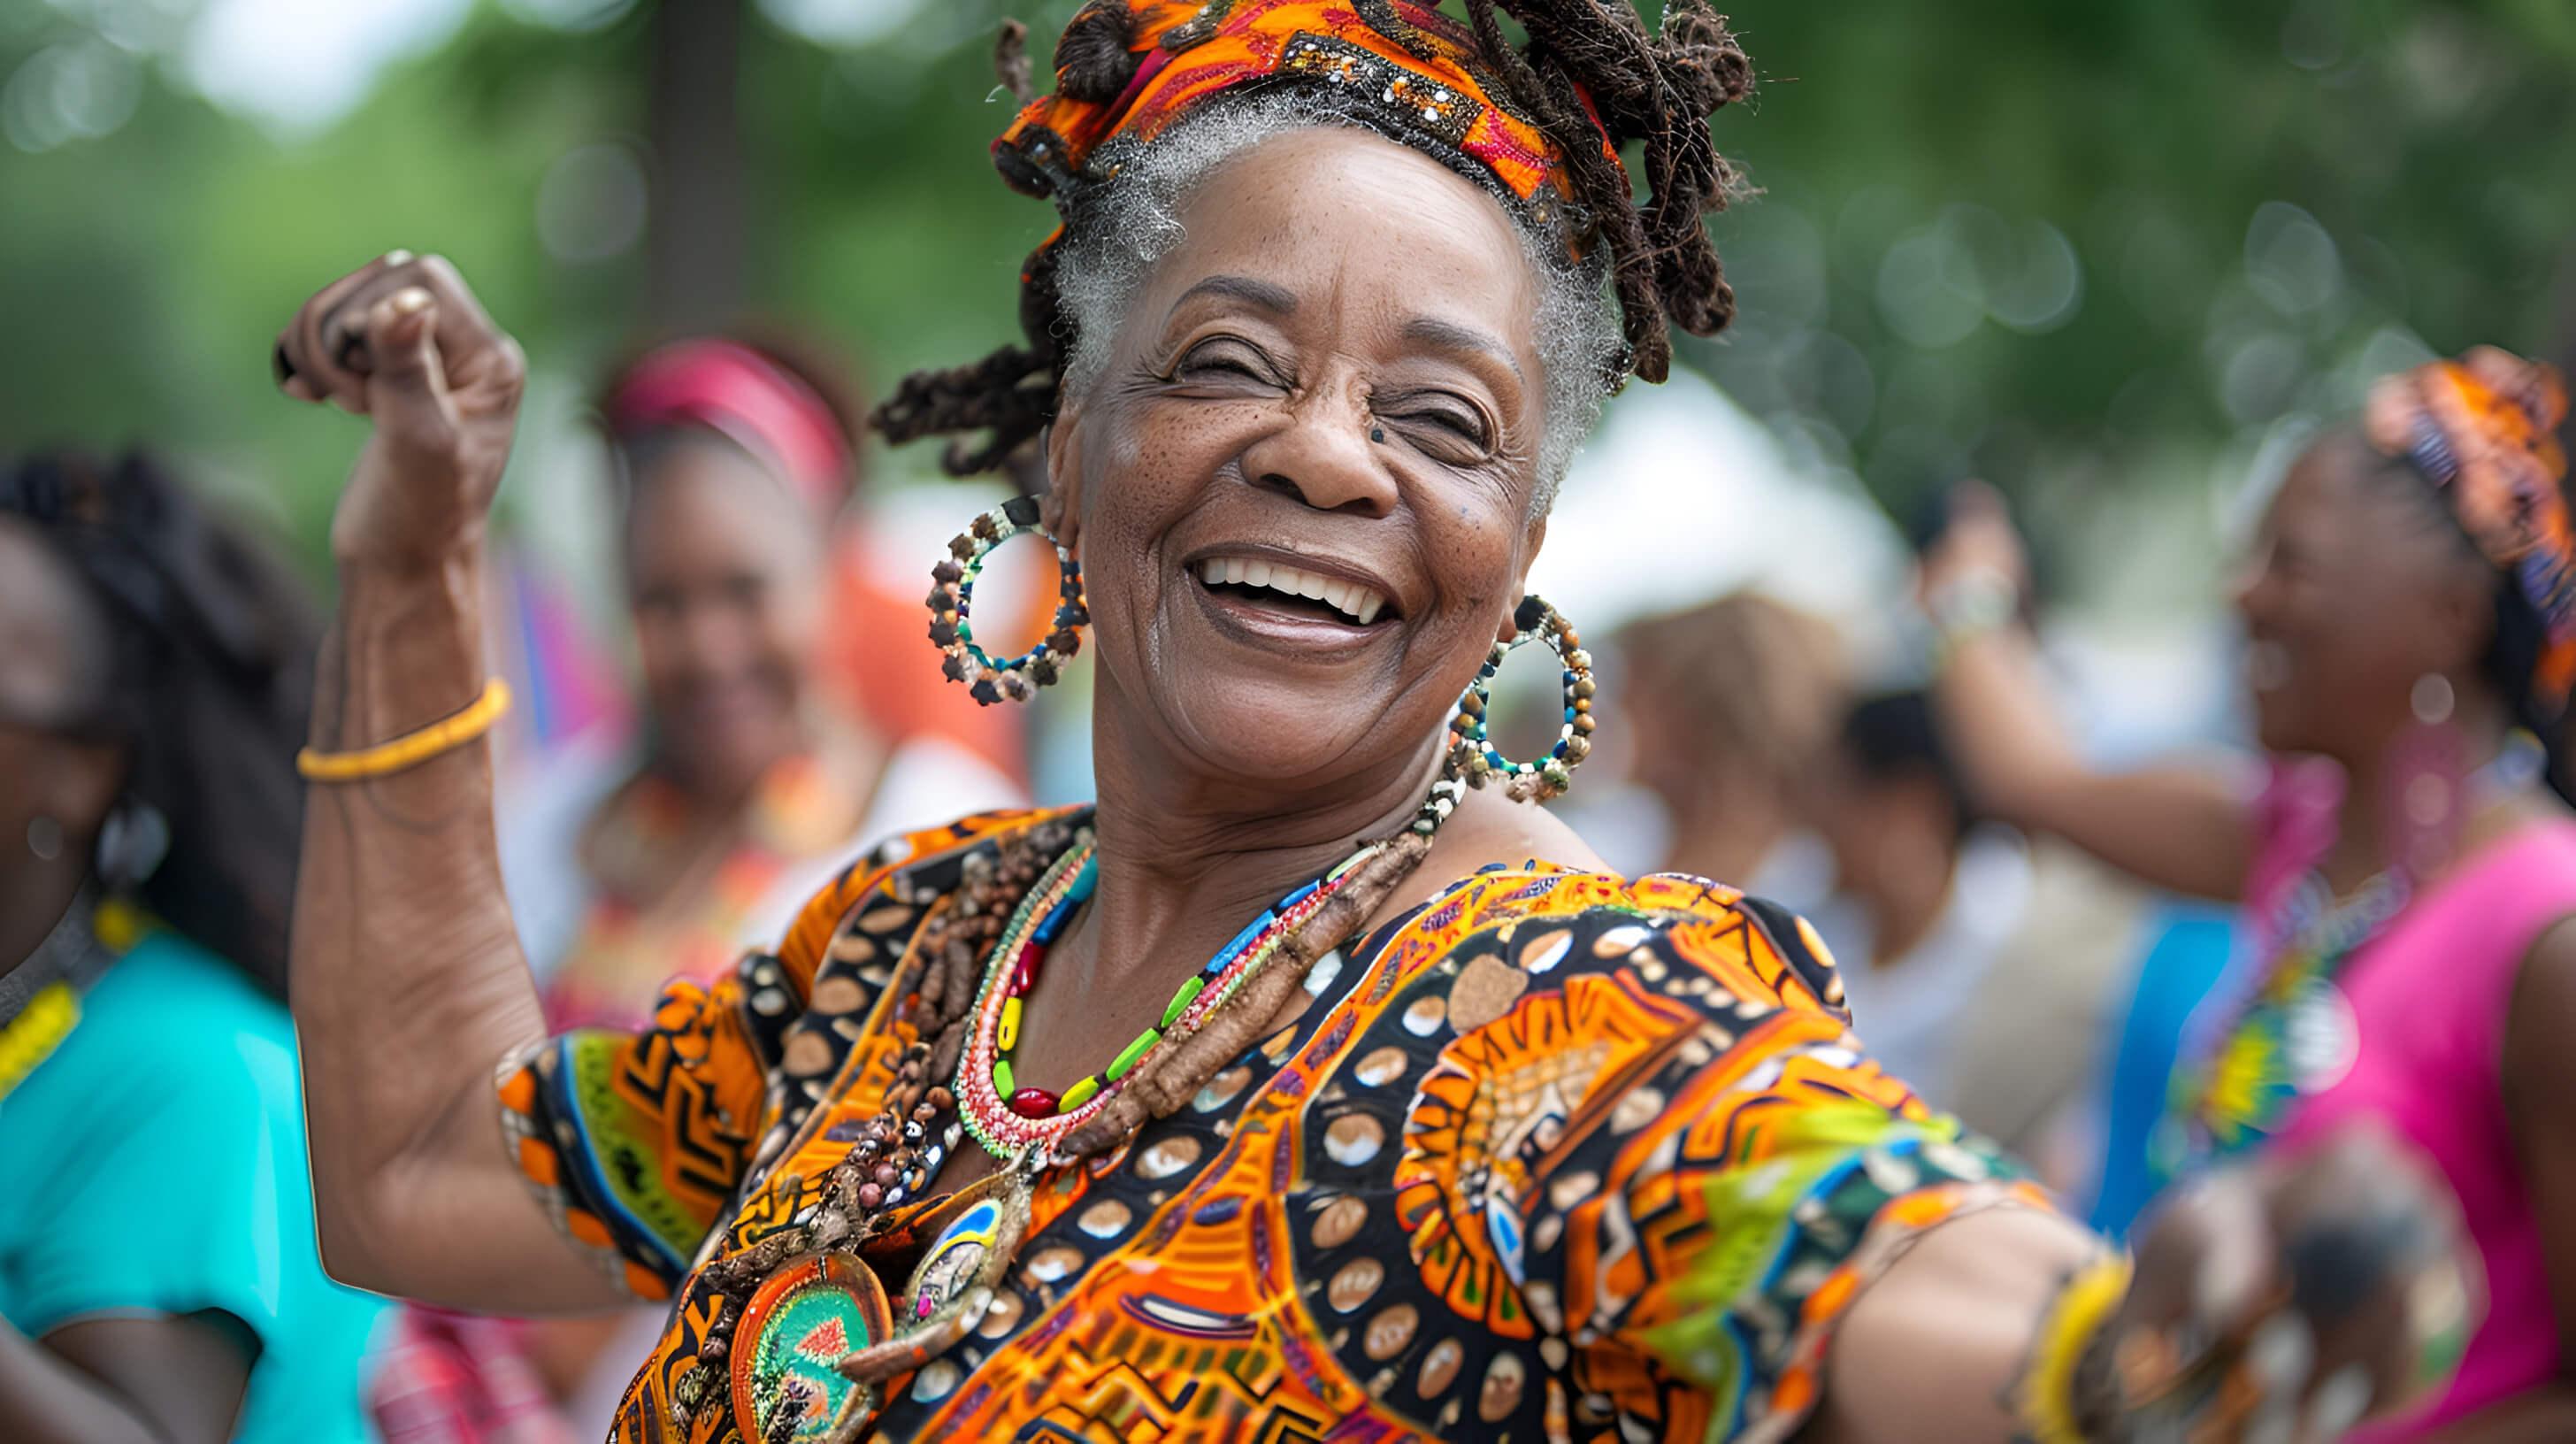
1540	127
2482	430
750	400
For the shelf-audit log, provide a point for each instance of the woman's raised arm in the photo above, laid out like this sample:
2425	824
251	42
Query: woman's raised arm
2177	827
408	985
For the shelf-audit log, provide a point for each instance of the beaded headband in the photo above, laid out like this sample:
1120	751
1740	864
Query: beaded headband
2481	430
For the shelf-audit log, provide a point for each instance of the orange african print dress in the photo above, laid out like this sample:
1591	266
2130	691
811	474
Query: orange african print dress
1556	1156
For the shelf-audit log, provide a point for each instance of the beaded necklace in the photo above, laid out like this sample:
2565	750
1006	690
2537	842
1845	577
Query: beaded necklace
40	997
2292	1035
2288	1040
1009	1119
761	1293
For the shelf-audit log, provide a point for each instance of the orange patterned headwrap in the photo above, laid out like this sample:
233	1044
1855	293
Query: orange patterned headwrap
1412	72
2482	430
1539	126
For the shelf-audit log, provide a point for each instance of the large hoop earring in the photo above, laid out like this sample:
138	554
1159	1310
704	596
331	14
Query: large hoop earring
1473	759
952	603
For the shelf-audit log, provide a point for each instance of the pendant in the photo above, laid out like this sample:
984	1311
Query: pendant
983	1227
801	1322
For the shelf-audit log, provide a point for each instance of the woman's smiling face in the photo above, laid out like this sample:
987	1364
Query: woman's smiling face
1301	485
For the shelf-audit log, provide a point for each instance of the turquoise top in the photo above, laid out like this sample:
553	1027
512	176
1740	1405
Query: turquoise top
156	1163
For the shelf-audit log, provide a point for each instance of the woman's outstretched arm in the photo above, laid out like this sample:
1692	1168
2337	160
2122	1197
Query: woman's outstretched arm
2183	828
408	985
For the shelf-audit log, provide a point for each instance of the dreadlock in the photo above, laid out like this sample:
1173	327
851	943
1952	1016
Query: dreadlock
1655	90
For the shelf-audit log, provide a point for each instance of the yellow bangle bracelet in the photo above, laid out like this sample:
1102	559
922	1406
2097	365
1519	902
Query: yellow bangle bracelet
412	749
2048	1405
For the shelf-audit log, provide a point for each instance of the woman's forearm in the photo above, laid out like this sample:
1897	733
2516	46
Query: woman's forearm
2176	827
408	983
2546	1415
194	1379
1932	1349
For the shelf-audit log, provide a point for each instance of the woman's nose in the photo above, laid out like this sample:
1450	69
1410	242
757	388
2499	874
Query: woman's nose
1321	454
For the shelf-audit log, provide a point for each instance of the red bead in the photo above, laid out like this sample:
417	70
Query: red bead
1033	1103
1024	973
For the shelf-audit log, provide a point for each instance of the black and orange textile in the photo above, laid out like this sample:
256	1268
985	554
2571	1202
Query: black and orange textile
1402	67
1557	1155
2482	430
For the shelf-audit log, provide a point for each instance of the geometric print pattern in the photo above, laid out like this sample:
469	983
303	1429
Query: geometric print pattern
1555	1156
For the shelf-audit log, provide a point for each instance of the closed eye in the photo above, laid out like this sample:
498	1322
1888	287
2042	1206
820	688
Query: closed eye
1223	358
1445	417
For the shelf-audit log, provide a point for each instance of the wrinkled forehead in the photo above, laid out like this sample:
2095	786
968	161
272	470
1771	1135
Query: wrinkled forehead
1337	216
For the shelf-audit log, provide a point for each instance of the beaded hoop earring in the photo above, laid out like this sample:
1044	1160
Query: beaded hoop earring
1473	759
952	602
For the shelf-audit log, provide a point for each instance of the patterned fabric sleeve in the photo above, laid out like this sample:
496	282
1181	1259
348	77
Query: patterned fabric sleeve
1736	1173
638	1142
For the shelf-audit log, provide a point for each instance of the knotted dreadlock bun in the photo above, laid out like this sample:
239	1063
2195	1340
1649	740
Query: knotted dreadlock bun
1591	79
1095	58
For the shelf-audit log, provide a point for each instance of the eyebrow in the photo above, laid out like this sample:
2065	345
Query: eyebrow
1276	299
1467	340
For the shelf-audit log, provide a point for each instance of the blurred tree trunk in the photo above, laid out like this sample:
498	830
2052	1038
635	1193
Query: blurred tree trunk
700	215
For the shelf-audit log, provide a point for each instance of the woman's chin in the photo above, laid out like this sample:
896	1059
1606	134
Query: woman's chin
1259	730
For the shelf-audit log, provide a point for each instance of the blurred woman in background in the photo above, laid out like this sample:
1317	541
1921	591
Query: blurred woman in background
154	681
2407	875
756	772
1729	706
752	774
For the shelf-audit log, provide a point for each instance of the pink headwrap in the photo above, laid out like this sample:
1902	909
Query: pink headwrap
748	399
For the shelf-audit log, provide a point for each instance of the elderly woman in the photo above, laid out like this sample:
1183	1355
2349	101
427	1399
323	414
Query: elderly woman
1302	1085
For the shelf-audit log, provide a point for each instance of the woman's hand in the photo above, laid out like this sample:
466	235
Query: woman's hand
402	341
1979	543
2335	1284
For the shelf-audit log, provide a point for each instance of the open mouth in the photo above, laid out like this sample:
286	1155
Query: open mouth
1293	591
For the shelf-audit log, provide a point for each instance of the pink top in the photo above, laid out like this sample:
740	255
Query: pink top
2428	1000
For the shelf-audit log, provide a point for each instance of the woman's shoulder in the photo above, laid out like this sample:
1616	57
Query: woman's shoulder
1548	919
911	868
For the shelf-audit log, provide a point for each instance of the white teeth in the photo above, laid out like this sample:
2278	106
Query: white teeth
1349	598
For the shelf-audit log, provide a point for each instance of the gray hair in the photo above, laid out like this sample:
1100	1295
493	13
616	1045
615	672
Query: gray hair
1131	222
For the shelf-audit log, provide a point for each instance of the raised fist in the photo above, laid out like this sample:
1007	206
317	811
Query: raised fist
402	342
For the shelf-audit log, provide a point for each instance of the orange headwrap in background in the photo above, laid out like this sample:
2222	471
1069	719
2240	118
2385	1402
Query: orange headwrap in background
2482	430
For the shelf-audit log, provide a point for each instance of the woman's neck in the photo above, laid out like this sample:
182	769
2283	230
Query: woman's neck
1186	859
33	900
2372	820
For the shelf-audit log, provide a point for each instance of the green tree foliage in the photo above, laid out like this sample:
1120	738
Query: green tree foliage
2097	242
